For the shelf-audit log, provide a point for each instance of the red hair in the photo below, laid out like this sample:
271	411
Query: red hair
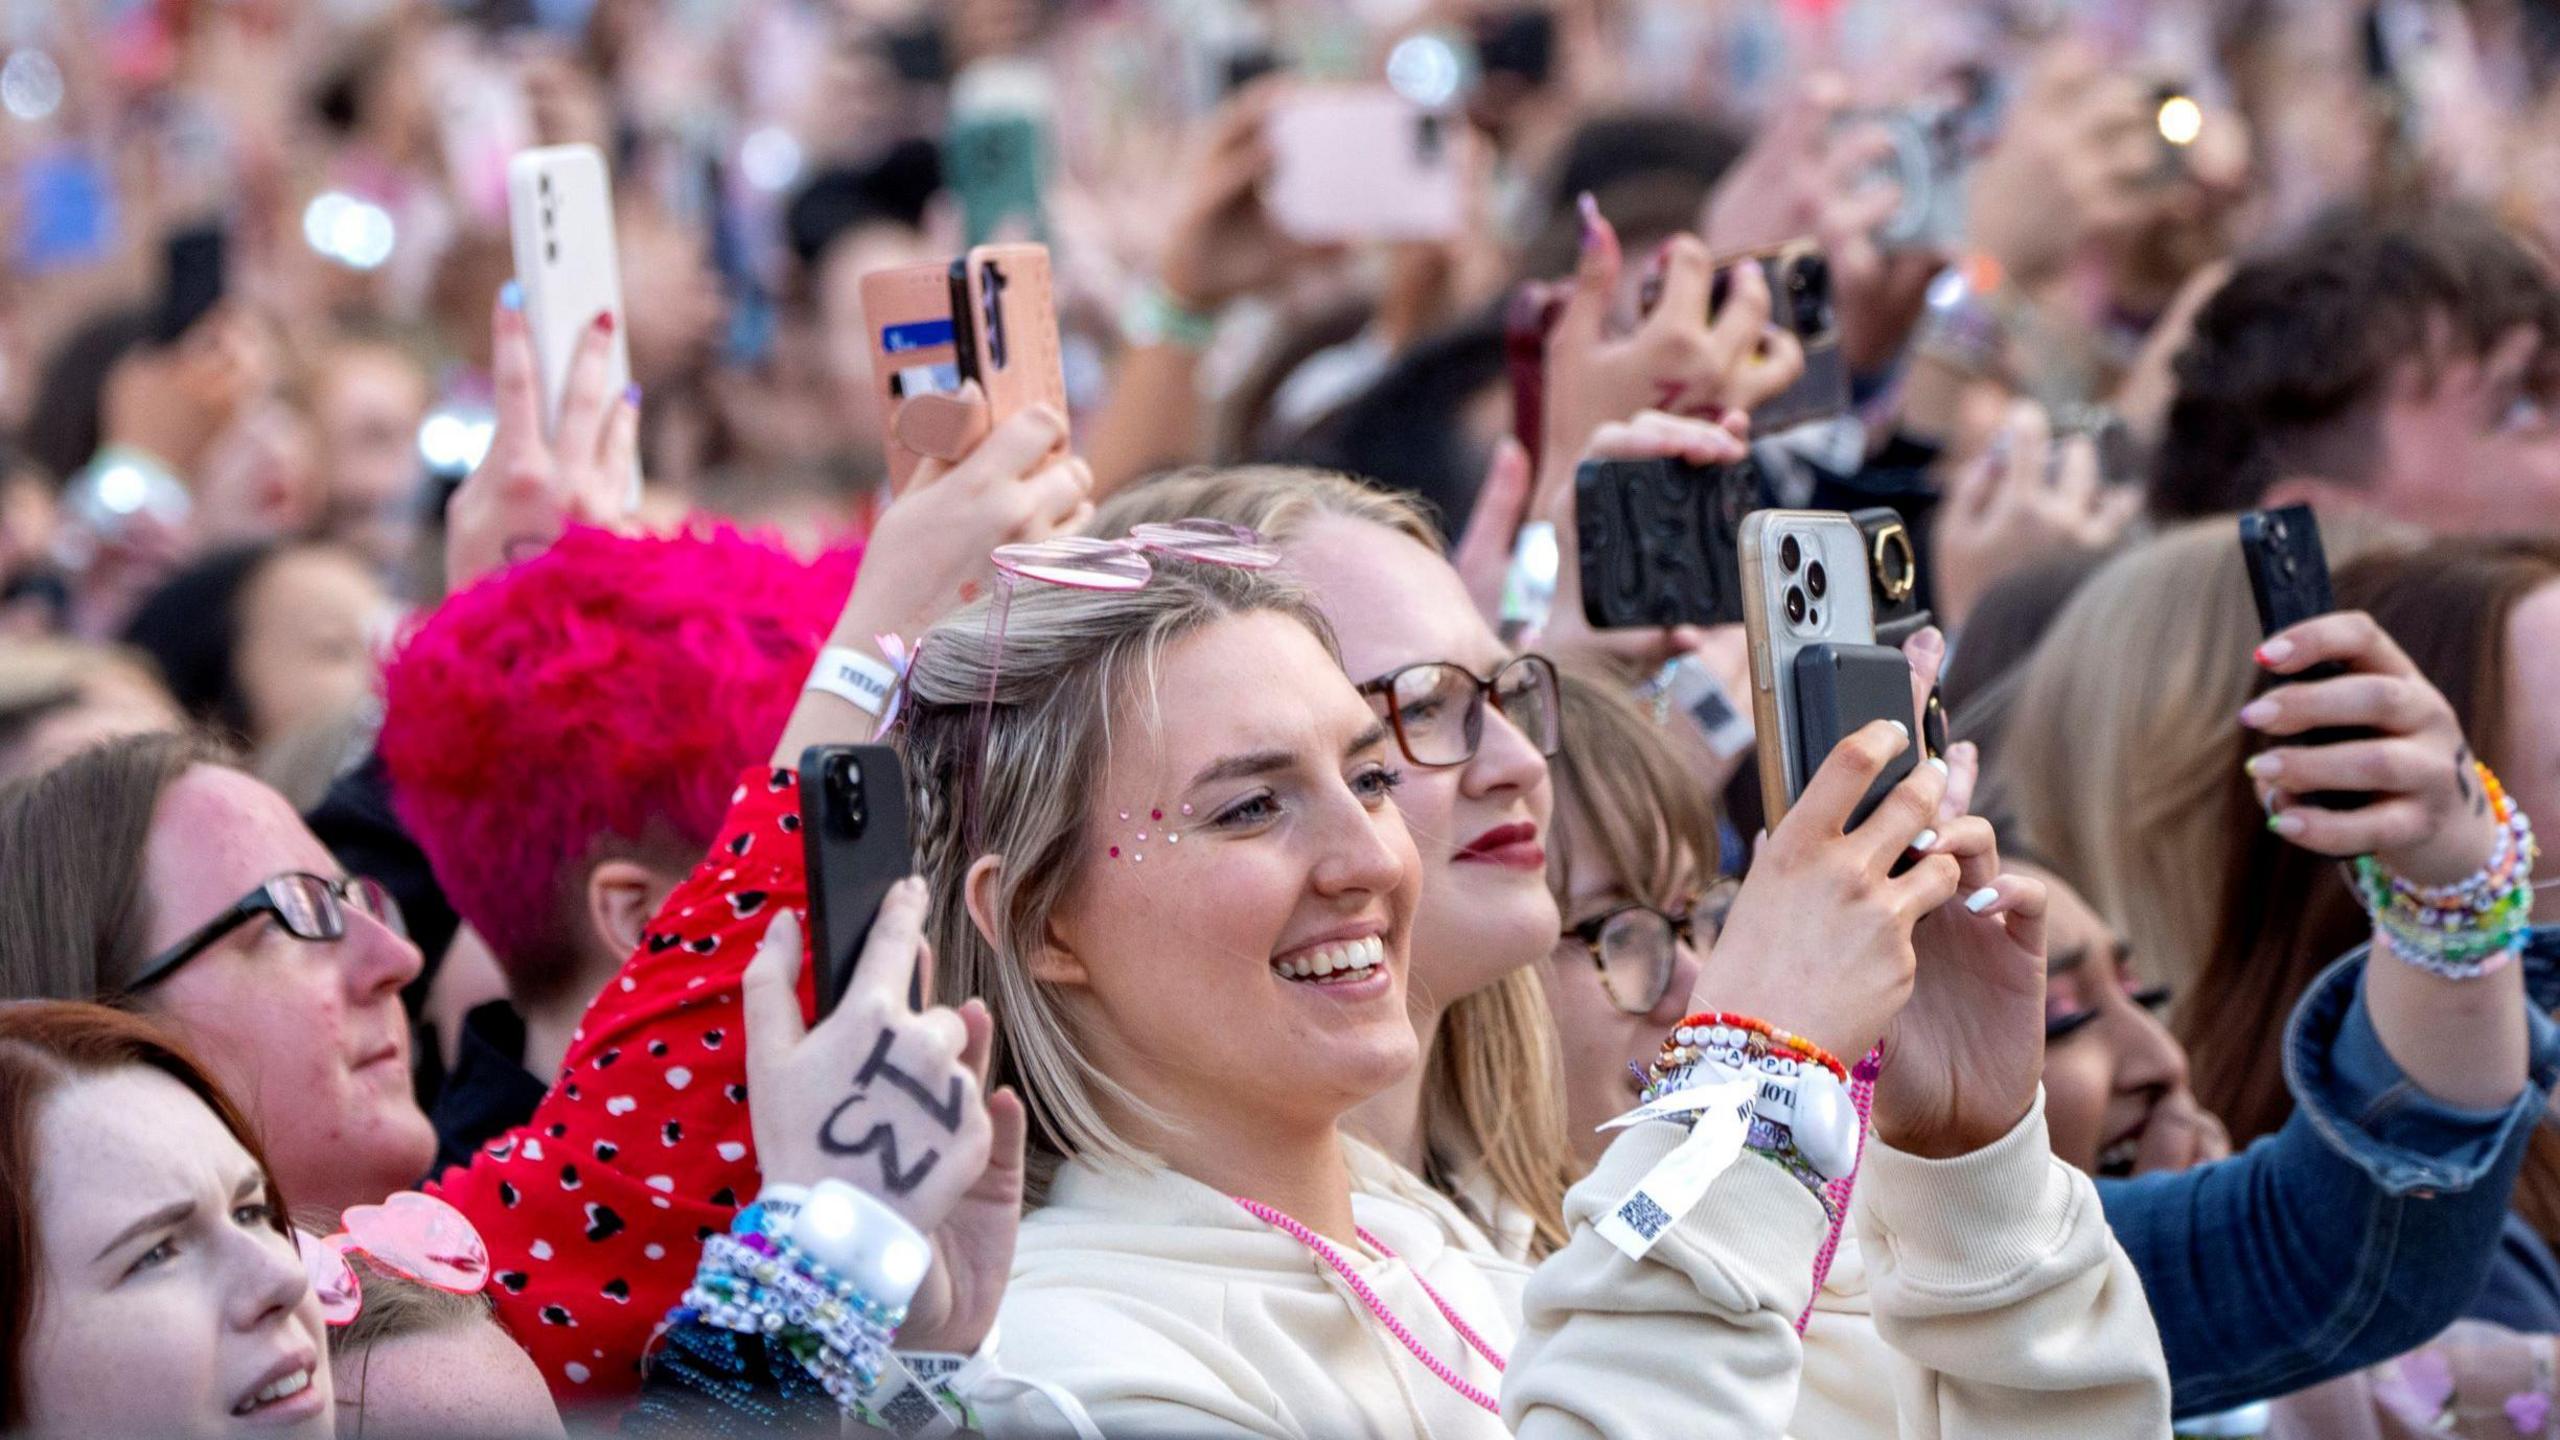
610	690
45	1045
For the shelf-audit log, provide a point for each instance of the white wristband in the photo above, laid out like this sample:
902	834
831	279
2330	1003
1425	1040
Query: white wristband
853	677
863	1241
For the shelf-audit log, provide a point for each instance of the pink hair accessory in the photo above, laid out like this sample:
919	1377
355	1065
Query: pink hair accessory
902	659
414	1236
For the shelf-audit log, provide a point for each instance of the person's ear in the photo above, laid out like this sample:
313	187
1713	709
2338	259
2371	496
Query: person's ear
1049	960
621	896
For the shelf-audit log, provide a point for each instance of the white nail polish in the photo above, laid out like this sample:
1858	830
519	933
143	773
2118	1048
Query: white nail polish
1924	839
1900	729
1980	900
1940	763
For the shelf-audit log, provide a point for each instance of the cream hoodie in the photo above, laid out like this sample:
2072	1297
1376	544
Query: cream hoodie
1143	1303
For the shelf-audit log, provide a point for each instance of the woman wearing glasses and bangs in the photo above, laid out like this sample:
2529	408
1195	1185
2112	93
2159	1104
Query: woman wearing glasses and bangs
149	873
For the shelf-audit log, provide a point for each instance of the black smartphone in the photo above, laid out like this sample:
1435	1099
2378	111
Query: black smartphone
2289	578
1518	41
1893	574
191	280
1800	302
1840	688
1659	541
853	825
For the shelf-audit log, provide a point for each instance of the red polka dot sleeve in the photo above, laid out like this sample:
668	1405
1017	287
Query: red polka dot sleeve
596	1210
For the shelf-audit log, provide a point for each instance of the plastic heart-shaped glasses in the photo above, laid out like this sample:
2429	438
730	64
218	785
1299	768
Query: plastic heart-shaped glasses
1083	562
414	1236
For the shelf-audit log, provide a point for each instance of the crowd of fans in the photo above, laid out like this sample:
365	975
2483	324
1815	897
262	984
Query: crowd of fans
1343	988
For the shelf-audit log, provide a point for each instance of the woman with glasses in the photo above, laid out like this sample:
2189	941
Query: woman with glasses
148	872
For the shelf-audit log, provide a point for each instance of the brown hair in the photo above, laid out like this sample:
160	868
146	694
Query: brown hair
73	917
1492	1087
45	1045
2287	913
1625	787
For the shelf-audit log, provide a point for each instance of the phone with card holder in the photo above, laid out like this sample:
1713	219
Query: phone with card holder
2289	579
560	220
914	351
1659	539
853	827
1004	321
1804	583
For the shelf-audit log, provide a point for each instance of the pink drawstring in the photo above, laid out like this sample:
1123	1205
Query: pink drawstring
1862	1094
1378	1308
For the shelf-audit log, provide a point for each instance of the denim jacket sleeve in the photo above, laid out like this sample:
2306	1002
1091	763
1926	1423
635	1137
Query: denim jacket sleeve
2358	1231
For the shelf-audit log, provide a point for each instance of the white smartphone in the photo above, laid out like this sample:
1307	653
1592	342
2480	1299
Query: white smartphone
1362	164
1804	583
560	216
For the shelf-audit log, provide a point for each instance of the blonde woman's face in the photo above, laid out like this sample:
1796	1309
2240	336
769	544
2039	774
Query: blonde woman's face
1235	949
1481	827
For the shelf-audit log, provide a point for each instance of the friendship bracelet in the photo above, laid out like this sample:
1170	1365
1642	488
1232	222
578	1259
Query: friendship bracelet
2467	929
754	1283
853	677
1782	1039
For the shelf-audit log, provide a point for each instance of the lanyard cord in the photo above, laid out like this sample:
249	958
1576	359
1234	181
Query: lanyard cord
1378	1308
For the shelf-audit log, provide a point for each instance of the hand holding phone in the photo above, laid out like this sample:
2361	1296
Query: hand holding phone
1659	541
2427	816
2289	580
560	220
1804	584
853	825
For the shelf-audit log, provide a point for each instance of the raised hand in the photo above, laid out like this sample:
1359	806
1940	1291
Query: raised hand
528	489
1819	939
877	1095
2018	503
928	552
1673	361
1963	1059
891	1099
2428	820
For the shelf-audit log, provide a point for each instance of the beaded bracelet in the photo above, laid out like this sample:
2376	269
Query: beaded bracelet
1782	1040
757	1284
2467	929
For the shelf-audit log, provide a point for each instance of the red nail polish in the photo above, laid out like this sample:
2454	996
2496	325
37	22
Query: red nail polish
604	321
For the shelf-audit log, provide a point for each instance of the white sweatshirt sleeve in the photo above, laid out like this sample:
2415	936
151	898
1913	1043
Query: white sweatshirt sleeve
1697	1339
1995	1278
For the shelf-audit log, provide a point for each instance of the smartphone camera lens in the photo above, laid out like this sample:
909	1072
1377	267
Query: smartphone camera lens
1796	606
1815	580
551	251
1790	554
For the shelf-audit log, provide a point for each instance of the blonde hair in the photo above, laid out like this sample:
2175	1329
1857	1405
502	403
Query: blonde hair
1493	1084
1005	730
1629	787
2118	757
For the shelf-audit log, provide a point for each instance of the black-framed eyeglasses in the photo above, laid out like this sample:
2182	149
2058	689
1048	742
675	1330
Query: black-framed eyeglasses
1635	947
310	908
1436	708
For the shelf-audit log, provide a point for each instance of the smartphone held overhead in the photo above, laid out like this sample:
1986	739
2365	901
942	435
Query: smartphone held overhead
987	318
2289	580
1809	620
1353	164
854	829
560	220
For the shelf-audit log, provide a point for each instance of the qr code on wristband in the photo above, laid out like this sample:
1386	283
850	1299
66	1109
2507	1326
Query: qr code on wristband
909	1412
1644	1217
